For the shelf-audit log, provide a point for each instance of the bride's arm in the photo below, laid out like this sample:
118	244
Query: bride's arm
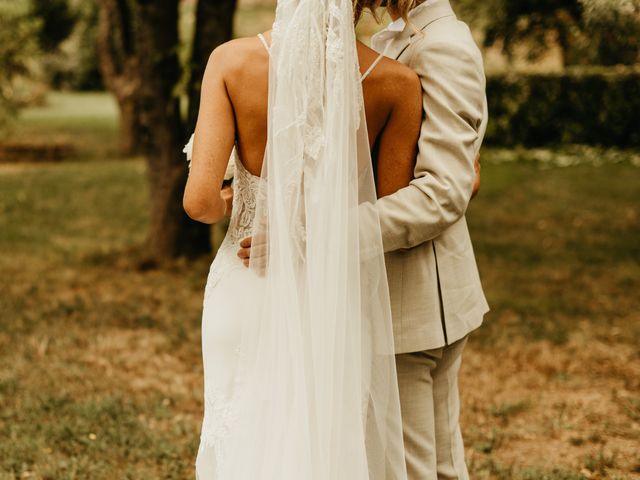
398	142
214	140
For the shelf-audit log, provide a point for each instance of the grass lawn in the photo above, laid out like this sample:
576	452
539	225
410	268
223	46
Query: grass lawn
87	122
100	371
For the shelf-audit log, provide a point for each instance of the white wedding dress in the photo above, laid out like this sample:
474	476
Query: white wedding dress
299	372
232	293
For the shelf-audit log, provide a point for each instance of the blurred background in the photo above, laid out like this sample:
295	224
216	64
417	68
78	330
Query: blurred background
102	276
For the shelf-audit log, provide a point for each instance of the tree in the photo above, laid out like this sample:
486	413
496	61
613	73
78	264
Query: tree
58	20
119	64
18	46
603	32
616	26
139	56
31	30
213	27
84	72
539	22
67	40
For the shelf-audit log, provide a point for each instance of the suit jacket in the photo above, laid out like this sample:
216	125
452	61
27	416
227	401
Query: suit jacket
435	289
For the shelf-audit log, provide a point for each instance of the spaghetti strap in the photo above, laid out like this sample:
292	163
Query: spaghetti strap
370	69
264	42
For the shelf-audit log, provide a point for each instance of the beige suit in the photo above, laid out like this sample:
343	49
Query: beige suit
436	295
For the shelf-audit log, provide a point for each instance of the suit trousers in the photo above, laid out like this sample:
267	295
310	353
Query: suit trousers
430	405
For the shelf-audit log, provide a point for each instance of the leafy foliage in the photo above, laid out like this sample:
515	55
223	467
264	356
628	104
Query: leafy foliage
593	106
58	20
616	26
18	47
44	42
602	32
540	21
75	63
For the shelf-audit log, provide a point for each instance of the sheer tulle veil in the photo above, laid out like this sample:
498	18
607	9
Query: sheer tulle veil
318	394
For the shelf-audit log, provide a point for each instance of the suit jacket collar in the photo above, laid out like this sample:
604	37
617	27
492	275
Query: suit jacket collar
429	14
423	18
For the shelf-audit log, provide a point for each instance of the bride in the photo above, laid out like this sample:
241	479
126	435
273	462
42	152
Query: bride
300	379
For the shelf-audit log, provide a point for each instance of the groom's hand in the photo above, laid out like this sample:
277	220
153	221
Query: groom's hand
244	253
476	183
253	251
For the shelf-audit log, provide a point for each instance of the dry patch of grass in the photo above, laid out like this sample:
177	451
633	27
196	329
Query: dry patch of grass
100	374
543	405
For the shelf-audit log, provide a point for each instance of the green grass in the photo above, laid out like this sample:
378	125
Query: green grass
78	207
85	121
100	370
71	437
557	246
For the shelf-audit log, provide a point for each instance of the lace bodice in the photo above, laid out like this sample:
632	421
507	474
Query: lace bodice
245	189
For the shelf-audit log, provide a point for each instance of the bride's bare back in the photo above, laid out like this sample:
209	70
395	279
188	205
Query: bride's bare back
234	109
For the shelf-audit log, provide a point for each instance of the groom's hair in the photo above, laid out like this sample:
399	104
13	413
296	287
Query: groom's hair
399	7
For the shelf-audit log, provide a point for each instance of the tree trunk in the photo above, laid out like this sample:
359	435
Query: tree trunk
214	26
171	233
130	128
138	44
119	68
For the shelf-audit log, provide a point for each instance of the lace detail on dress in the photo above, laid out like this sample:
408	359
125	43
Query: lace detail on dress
336	51
245	190
220	413
218	417
244	204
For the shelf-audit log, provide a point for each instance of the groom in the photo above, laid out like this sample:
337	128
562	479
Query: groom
436	295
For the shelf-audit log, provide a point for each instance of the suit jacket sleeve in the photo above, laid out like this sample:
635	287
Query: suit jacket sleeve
454	103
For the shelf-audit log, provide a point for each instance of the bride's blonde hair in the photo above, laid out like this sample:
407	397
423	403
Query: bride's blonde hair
399	7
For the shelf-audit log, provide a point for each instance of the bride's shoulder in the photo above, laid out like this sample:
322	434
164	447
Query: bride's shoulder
238	53
387	70
393	76
396	71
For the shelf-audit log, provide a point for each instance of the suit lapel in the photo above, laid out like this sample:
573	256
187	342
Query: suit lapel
398	45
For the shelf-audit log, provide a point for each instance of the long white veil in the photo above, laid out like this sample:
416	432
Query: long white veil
318	390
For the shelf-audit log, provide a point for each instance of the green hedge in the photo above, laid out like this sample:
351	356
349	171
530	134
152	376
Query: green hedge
593	107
